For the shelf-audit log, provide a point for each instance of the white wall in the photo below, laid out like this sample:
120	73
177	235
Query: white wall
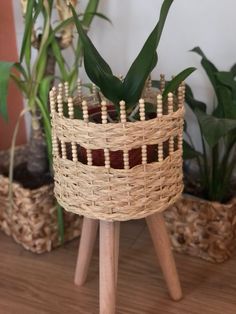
209	24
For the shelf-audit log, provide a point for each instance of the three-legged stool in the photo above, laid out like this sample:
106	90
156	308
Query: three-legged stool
109	254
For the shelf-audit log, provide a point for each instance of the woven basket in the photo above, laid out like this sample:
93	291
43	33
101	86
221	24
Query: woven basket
32	220
106	193
202	228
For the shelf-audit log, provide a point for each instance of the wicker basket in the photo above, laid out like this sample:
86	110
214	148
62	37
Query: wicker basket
202	228
32	220
106	193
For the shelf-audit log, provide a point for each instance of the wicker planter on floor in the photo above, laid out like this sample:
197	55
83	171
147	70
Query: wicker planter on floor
32	220
202	228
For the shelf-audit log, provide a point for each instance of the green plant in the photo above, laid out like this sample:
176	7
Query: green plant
33	79
129	89
35	76
217	160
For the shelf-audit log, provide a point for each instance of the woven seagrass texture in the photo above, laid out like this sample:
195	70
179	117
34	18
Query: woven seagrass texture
32	218
117	194
104	192
202	228
118	136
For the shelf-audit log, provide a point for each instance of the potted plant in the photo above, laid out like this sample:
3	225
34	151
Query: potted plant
130	120
202	223
129	89
116	93
33	218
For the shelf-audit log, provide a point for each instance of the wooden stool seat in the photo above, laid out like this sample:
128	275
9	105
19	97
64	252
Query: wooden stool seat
108	258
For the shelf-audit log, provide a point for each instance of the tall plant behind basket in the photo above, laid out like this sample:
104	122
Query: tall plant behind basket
202	223
35	76
217	160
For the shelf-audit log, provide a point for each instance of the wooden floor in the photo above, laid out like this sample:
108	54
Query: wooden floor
31	284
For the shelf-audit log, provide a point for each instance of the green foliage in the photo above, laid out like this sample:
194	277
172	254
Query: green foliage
217	130
174	83
31	78
130	89
31	73
5	70
189	152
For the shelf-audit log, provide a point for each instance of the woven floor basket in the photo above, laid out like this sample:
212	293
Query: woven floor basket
202	228
106	193
32	219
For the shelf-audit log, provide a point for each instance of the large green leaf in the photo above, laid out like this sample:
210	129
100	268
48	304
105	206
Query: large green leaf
208	66
5	71
233	70
96	67
101	74
91	52
192	102
222	82
212	128
226	92
189	152
210	70
176	81
145	61
226	107
227	79
110	85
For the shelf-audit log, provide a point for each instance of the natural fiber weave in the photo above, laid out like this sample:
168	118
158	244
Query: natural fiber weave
32	219
102	192
117	194
118	136
202	228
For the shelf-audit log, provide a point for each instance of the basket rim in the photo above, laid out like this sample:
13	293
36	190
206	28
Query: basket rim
188	196
176	114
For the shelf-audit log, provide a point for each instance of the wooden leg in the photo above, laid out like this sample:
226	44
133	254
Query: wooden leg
88	237
117	246
162	246
109	235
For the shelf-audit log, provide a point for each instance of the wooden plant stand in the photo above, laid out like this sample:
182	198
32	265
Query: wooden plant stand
106	195
109	252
